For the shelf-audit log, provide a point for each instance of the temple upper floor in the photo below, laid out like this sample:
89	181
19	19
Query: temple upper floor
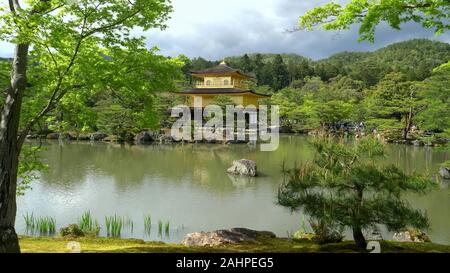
221	76
221	82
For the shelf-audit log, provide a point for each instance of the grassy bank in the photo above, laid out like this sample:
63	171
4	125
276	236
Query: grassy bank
108	245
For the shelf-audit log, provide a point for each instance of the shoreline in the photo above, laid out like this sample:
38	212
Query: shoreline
261	245
162	137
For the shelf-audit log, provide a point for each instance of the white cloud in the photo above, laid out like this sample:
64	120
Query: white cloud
6	49
215	29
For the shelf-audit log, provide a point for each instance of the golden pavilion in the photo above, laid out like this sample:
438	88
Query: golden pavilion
222	80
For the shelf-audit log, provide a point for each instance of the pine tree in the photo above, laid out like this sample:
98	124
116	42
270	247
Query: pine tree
393	104
246	64
280	74
345	186
259	67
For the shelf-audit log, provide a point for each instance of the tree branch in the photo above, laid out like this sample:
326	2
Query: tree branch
56	94
14	6
53	99
362	15
109	26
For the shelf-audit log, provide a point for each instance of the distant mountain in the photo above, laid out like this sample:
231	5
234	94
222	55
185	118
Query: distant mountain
407	51
270	57
415	58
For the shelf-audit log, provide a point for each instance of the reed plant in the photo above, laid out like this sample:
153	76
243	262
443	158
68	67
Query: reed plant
147	224
45	225
88	224
114	226
160	228
128	223
29	221
167	228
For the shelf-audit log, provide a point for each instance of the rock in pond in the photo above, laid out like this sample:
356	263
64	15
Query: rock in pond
444	172
222	237
243	167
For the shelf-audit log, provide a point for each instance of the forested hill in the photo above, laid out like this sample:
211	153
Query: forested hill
414	58
4	71
270	57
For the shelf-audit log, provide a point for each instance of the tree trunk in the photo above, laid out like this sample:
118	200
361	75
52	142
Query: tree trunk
10	150
358	236
408	124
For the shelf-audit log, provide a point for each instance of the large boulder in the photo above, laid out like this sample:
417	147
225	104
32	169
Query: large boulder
222	237
243	167
445	172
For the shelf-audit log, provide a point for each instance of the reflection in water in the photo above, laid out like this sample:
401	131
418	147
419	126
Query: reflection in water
187	185
241	181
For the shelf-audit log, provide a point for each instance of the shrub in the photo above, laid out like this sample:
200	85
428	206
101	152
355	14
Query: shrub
72	230
326	233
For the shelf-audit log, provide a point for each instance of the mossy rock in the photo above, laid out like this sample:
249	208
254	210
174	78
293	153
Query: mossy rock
419	236
412	235
300	235
72	230
111	138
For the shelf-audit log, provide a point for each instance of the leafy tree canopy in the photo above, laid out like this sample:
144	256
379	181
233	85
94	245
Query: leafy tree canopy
435	91
368	14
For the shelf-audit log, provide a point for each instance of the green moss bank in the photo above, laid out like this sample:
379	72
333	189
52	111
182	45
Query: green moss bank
281	245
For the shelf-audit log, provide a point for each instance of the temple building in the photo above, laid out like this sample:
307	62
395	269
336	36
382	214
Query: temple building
222	80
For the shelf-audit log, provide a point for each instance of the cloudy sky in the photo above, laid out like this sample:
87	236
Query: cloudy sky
215	29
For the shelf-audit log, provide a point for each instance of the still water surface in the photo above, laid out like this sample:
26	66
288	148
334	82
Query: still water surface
188	186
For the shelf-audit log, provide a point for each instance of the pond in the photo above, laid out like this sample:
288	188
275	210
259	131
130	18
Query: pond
187	185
